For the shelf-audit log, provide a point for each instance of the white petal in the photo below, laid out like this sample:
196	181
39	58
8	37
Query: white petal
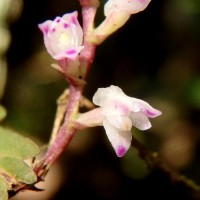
102	95
142	106
69	53
45	28
92	118
69	16
120	140
140	121
116	107
123	123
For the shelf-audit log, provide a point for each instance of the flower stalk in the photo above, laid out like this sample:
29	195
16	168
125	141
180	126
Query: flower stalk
64	135
68	128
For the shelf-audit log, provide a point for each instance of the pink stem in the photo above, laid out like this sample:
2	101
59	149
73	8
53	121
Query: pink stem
89	8
65	134
68	130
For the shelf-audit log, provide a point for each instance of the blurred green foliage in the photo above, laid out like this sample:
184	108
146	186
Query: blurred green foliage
14	149
2	113
16	146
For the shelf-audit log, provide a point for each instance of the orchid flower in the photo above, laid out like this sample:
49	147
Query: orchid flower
117	12
118	113
63	37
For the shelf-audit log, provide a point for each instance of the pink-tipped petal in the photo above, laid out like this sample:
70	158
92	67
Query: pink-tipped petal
69	16
142	106
45	26
121	151
152	113
120	140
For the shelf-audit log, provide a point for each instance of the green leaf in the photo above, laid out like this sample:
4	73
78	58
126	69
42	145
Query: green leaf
16	146
3	189
2	112
17	169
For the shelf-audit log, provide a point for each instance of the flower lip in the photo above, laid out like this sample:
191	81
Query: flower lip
121	150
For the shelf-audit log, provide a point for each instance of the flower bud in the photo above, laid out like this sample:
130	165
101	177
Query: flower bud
63	37
117	13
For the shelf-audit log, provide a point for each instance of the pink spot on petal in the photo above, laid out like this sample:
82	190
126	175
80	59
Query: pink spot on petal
71	52
46	29
121	150
58	20
152	114
123	108
53	30
74	20
149	113
65	25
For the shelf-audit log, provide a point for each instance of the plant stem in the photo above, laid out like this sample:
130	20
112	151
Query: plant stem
68	130
152	159
65	133
89	9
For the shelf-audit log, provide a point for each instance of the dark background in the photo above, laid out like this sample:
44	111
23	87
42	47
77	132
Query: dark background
155	57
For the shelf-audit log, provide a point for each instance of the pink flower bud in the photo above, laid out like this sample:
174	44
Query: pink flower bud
63	37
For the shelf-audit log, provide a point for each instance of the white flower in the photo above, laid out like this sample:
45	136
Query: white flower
63	37
118	113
